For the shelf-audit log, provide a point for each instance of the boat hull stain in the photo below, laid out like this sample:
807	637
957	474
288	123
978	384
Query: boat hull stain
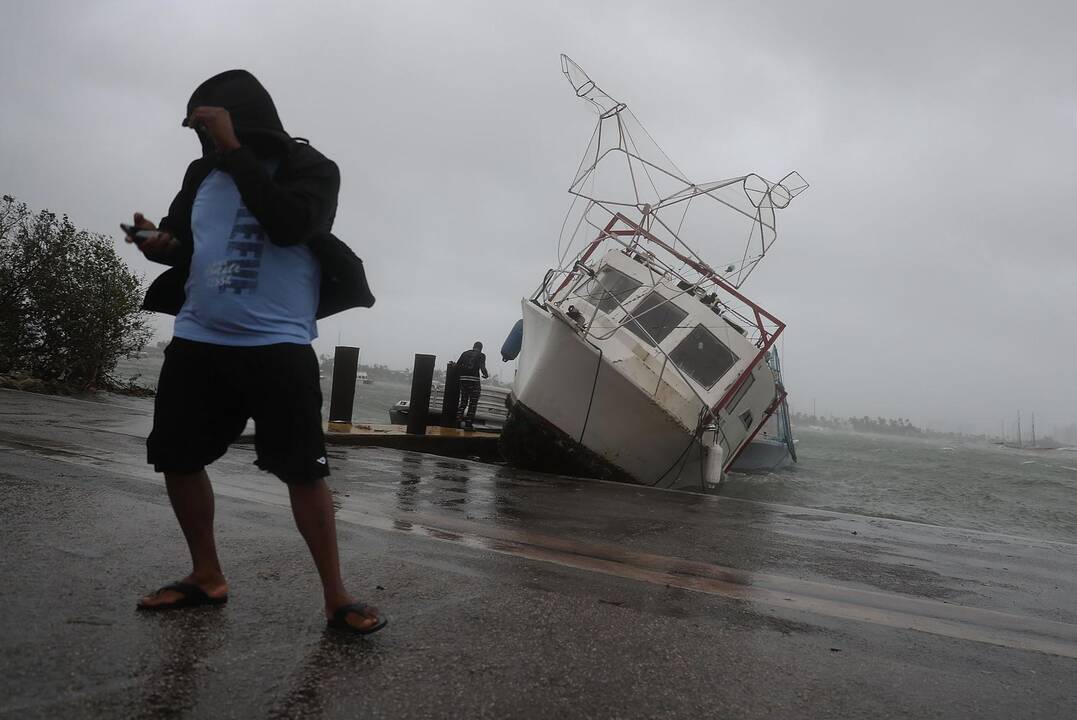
531	442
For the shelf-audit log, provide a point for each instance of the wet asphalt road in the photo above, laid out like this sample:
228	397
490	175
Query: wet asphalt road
510	595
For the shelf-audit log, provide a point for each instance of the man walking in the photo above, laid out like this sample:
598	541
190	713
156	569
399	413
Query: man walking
471	363
253	266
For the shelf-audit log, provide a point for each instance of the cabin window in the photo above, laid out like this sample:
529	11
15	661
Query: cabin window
746	418
703	357
608	289
741	392
655	318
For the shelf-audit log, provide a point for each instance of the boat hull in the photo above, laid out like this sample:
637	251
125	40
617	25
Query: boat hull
529	441
572	412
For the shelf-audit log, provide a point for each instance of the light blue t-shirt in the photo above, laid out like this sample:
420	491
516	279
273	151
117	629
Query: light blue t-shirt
243	290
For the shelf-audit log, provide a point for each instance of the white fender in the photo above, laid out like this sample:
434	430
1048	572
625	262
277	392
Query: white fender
713	468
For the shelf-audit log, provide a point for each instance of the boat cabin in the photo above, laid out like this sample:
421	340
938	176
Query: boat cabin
673	339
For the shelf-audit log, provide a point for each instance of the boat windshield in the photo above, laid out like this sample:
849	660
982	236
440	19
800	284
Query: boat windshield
655	318
608	289
703	357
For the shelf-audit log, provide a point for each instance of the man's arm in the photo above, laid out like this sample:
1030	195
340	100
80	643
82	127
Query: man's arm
174	245
482	365
289	212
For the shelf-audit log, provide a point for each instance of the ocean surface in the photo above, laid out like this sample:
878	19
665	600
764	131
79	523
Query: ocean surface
372	402
965	484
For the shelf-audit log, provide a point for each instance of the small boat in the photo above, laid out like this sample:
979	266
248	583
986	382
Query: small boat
639	361
362	377
773	447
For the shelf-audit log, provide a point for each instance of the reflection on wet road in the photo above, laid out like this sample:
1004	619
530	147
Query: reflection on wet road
511	594
692	542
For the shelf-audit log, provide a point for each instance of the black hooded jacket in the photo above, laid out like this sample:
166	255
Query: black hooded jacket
295	204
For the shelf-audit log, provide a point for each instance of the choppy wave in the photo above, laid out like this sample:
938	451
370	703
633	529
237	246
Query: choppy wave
965	485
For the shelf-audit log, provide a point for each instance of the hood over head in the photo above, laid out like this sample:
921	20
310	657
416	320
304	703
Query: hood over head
254	116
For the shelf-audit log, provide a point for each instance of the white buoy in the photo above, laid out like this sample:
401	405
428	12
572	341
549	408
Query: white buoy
713	469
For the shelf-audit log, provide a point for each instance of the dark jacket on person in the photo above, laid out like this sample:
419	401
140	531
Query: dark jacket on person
470	364
295	204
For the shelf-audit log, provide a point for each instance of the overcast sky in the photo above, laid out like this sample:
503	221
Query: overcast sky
929	271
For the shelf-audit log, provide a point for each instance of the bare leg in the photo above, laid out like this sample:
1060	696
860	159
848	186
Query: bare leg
192	500
312	507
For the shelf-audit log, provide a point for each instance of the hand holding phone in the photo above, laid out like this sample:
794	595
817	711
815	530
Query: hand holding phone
138	235
157	245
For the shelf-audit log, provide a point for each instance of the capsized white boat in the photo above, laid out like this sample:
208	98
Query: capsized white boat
639	361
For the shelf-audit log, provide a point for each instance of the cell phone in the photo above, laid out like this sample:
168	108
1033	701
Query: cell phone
138	235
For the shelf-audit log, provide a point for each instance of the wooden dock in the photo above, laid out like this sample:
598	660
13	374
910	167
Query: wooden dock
448	442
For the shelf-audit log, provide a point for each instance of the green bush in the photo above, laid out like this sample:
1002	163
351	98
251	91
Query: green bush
69	306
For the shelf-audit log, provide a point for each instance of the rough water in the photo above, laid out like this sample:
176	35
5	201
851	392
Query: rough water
372	402
964	484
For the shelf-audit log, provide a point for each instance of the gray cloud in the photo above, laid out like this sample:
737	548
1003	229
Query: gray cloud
927	273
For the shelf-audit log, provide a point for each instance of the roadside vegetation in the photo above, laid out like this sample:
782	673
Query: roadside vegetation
69	306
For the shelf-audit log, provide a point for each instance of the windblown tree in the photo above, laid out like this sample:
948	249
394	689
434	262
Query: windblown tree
69	306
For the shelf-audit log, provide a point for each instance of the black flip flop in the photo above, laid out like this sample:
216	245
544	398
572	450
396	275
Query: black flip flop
339	621
190	596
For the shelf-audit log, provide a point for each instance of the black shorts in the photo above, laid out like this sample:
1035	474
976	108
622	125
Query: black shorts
207	393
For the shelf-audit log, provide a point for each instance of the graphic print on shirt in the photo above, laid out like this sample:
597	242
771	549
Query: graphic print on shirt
242	289
238	272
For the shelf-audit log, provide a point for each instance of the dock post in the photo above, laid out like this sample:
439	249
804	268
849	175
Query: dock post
342	391
422	377
450	399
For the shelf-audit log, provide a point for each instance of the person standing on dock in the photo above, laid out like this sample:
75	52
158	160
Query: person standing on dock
253	266
471	363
